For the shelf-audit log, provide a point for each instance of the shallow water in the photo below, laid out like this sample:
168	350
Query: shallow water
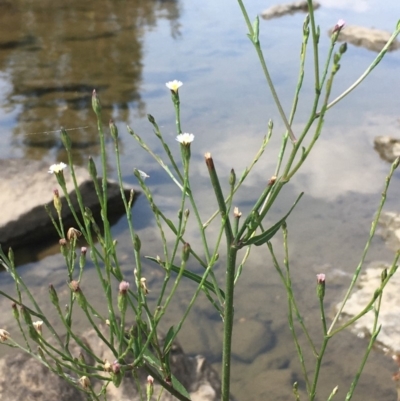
51	57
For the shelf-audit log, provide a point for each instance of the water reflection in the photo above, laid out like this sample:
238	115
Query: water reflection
54	54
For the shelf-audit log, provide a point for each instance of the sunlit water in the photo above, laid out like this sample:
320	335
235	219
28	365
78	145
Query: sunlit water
50	64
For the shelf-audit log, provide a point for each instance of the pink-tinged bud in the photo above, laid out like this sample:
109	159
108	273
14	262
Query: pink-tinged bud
115	367
123	287
321	286
4	335
82	257
150	387
74	285
321	278
63	242
339	25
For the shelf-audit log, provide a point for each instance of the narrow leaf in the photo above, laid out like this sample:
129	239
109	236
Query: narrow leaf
268	234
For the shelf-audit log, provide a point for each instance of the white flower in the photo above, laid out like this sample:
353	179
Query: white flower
339	25
38	326
143	174
174	85
185	138
4	335
57	168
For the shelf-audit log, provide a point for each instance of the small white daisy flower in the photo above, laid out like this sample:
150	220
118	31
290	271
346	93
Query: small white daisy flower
185	138
57	168
174	85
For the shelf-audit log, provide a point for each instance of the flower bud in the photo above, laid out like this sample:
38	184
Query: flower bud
96	103
38	326
321	286
53	295
236	212
343	48
92	168
144	286
73	233
383	275
150	387
107	366
15	310
136	243
82	258
25	314
272	180
84	382
151	118
186	252
232	178
4	335
113	130
57	201
65	139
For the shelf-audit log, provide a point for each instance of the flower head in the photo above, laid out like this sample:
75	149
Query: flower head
38	326
4	335
84	382
339	25
123	287
321	278
143	175
174	85
57	168
185	139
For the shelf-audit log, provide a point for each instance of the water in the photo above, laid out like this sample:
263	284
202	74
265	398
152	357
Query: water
52	56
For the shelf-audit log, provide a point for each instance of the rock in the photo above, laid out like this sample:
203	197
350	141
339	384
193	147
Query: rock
283	9
250	339
387	147
389	316
370	38
389	229
25	189
22	378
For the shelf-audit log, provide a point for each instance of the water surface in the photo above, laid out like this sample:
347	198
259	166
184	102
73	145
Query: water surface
51	57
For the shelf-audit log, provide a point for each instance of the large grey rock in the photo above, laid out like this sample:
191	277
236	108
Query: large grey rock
387	147
370	38
26	188
22	378
280	10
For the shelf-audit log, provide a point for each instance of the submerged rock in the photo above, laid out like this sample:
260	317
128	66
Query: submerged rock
26	188
280	10
370	38
22	378
387	147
